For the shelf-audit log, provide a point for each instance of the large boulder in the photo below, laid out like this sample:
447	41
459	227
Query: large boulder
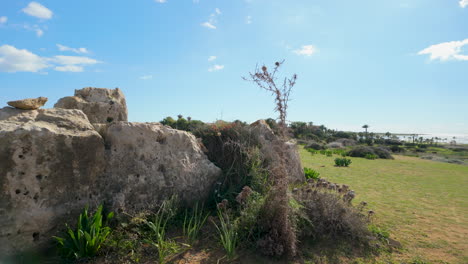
148	162
54	162
50	159
289	151
99	104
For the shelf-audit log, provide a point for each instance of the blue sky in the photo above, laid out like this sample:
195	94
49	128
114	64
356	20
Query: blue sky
399	65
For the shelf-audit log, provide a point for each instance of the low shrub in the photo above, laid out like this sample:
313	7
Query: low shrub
329	214
342	162
311	174
396	149
362	151
314	145
334	145
87	238
346	141
312	151
371	156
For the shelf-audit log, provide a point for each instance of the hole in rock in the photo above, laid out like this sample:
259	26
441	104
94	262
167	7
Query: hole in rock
36	236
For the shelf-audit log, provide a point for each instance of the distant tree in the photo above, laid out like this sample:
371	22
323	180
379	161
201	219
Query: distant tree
388	135
179	116
268	81
189	118
365	127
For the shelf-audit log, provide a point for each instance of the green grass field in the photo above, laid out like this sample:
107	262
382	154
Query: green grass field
423	203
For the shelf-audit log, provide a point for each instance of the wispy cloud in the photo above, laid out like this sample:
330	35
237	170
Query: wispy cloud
37	10
36	28
463	3
75	50
69	68
161	1
22	60
216	67
212	21
211	58
248	20
146	77
3	19
446	51
306	50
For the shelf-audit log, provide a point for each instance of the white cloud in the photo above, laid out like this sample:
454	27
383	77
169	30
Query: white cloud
75	50
146	77
74	60
69	68
160	1
208	25
3	19
306	50
248	20
39	32
16	60
216	67
37	10
463	3
22	60
212	20
211	58
446	51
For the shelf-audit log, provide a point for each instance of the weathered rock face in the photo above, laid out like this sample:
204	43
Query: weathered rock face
28	104
147	162
53	162
49	161
291	155
99	104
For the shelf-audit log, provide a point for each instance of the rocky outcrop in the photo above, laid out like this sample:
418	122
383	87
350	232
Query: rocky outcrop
53	162
50	159
99	104
288	149
147	162
29	103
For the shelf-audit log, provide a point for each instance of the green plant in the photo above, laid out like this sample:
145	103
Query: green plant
371	156
381	234
88	237
329	153
342	162
166	247
194	222
227	234
311	174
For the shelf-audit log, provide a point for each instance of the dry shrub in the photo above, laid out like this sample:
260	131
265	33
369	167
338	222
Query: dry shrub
362	151
278	231
330	213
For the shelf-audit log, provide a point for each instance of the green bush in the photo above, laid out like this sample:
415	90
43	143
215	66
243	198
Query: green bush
371	156
87	238
311	174
342	162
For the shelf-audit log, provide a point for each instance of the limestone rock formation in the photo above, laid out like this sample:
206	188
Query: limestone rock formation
291	155
147	162
49	161
53	162
29	103
99	104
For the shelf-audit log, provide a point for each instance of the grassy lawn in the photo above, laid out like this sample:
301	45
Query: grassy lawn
423	203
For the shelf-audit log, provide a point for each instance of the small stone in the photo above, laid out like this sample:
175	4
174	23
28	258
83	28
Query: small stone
29	103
